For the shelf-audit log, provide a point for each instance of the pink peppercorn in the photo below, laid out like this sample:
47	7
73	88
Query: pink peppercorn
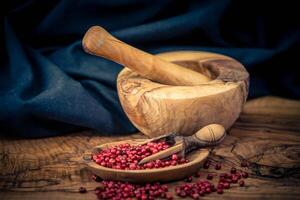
244	164
82	190
220	191
210	176
233	170
206	164
126	156
218	166
241	183
245	175
123	190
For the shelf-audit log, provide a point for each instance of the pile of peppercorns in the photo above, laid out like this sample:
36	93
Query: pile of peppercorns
127	157
204	187
117	190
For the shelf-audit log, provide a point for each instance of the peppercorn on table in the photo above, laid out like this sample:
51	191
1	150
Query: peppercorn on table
267	136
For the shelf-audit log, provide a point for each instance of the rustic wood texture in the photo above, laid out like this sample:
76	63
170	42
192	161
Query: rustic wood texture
98	41
267	134
157	109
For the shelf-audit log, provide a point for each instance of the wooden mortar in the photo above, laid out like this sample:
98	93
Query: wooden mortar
176	91
157	109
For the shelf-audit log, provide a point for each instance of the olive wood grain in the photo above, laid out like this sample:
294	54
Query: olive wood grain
98	41
158	109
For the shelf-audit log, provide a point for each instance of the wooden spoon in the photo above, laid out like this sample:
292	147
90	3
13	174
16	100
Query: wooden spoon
178	172
98	41
207	136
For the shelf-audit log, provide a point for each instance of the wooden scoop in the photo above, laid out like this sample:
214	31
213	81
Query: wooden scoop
98	41
171	173
209	135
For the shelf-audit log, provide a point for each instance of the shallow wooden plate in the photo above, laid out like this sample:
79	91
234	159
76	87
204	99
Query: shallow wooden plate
166	174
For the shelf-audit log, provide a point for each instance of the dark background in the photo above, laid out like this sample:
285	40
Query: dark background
49	86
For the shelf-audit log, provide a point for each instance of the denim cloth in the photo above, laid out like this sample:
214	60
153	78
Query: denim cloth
50	86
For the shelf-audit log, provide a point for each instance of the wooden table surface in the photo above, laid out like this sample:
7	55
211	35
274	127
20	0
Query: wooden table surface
267	134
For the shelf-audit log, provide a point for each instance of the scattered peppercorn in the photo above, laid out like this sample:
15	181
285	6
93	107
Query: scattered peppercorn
117	190
82	190
233	170
242	183
220	191
210	176
206	164
226	185
97	178
218	166
244	164
245	175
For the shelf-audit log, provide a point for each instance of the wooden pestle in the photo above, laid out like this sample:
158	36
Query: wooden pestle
98	41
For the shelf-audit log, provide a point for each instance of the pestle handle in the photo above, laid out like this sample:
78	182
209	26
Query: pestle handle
98	41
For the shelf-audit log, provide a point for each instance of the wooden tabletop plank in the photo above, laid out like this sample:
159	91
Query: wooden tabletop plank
267	135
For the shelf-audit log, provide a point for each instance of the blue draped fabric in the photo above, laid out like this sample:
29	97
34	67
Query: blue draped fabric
50	86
